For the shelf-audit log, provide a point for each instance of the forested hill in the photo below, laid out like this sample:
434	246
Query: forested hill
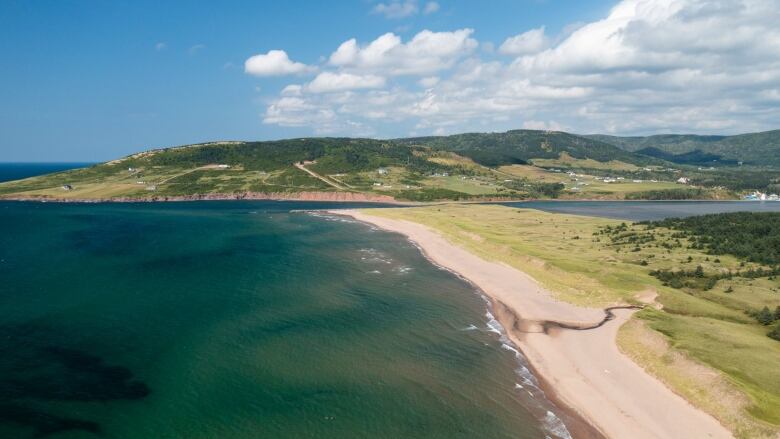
521	146
753	148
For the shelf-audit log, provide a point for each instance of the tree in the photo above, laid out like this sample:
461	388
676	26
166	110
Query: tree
777	313
775	333
765	317
699	271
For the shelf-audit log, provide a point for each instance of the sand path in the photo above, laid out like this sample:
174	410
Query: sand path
584	367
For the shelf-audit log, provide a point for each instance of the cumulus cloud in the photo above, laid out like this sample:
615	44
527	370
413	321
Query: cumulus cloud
430	8
401	9
532	41
396	9
274	63
329	82
647	66
428	81
426	52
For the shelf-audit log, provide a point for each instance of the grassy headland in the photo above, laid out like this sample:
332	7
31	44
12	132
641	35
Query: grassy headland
704	341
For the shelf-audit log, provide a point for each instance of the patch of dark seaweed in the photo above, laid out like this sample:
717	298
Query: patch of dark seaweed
34	370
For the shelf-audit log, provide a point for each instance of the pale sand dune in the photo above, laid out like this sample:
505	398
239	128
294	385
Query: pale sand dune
584	367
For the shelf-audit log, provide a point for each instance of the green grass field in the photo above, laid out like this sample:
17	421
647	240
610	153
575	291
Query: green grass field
566	161
151	181
708	330
585	186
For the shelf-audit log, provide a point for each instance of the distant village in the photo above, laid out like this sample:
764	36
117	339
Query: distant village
760	196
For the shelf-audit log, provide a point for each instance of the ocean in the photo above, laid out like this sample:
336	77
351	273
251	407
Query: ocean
15	171
243	320
252	319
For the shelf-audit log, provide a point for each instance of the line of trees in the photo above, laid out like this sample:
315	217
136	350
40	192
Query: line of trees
752	236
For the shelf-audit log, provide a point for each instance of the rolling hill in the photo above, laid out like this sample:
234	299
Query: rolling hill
752	149
517	164
521	146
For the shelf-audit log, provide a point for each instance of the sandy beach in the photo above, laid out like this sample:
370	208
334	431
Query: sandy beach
583	367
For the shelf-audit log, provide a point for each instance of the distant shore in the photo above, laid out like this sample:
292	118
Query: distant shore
270	196
328	196
572	349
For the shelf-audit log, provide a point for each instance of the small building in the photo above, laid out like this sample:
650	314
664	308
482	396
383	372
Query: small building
151	187
756	196
67	187
382	171
223	166
683	180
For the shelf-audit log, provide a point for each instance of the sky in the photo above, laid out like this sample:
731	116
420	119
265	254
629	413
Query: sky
90	80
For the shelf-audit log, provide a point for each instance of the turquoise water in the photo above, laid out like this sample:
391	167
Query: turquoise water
242	320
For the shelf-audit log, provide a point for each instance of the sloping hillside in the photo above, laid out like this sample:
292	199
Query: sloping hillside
521	146
752	149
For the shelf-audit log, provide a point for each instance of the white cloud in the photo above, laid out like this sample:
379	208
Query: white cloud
396	9
532	41
429	81
160	46
647	66
328	82
542	125
426	52
193	50
292	90
430	8
274	63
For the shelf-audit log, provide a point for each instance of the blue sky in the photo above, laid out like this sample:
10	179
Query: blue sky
94	80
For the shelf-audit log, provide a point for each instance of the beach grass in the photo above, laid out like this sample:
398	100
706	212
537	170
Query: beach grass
709	329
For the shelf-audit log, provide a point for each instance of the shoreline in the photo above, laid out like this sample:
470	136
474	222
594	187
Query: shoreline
260	196
571	350
337	197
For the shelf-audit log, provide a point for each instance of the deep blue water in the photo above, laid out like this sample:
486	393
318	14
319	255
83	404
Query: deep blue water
15	171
